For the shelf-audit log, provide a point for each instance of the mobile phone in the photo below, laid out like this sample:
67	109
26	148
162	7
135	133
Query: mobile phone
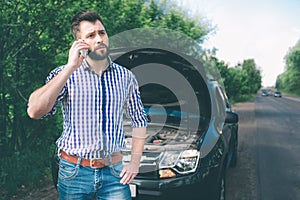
84	52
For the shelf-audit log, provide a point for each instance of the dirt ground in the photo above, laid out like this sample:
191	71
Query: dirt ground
47	192
241	180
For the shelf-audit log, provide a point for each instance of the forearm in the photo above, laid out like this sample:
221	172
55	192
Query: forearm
138	141
42	100
131	170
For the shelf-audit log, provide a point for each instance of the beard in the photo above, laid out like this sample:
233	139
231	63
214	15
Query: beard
99	54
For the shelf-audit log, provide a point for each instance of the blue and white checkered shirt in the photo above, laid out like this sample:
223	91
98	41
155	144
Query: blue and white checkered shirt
93	107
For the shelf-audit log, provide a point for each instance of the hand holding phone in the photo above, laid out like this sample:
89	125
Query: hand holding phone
84	52
75	58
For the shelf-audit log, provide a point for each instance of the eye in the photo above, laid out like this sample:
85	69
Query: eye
90	35
102	32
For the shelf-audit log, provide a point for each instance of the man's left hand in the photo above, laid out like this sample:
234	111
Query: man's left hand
129	172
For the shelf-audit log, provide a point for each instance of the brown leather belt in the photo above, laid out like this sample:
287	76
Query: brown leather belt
95	162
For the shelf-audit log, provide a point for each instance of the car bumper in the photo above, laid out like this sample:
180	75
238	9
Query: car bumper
174	188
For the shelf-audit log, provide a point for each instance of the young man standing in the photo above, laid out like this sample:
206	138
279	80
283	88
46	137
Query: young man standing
93	92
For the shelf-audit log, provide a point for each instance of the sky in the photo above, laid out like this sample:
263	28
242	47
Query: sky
263	30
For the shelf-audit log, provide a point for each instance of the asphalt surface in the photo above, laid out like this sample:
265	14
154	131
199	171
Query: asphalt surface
269	160
277	148
268	166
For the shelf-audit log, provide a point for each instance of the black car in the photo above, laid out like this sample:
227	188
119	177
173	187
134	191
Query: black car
192	134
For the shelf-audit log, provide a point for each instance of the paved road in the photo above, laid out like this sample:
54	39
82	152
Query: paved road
278	148
269	151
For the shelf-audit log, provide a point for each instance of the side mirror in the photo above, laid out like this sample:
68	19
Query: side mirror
231	117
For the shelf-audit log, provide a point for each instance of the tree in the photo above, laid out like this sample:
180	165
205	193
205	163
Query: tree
289	81
253	75
26	56
240	82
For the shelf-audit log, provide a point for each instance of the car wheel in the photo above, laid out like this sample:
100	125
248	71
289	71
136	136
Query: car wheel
222	186
219	191
55	167
234	147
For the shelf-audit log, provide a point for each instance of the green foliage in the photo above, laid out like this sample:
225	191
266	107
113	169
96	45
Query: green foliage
289	81
253	76
241	82
24	167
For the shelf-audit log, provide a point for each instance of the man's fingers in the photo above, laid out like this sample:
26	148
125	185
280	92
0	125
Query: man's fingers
127	177
131	179
124	178
122	173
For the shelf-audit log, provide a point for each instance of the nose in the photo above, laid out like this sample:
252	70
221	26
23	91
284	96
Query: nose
99	38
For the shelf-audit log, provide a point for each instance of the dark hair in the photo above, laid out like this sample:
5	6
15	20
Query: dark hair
85	15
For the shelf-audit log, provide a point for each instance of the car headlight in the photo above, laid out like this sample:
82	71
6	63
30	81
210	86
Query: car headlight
180	162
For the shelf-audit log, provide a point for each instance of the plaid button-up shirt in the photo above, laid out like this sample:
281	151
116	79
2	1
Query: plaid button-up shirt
93	106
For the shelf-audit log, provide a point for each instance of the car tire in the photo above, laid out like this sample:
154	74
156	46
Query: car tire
221	190
234	147
54	169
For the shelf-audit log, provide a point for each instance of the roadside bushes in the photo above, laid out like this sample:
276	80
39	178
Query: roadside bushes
241	82
289	80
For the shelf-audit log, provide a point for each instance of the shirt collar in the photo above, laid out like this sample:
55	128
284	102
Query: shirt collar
110	66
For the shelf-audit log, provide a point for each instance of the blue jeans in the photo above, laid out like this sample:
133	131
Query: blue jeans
82	183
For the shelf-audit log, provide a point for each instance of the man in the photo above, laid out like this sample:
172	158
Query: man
93	92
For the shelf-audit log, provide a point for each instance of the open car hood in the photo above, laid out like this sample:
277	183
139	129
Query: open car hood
174	93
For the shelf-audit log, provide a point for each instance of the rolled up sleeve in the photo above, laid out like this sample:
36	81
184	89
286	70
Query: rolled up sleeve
61	95
135	108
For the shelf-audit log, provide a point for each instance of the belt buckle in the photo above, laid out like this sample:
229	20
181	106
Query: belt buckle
93	162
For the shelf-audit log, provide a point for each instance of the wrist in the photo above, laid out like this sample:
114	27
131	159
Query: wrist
71	67
135	158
